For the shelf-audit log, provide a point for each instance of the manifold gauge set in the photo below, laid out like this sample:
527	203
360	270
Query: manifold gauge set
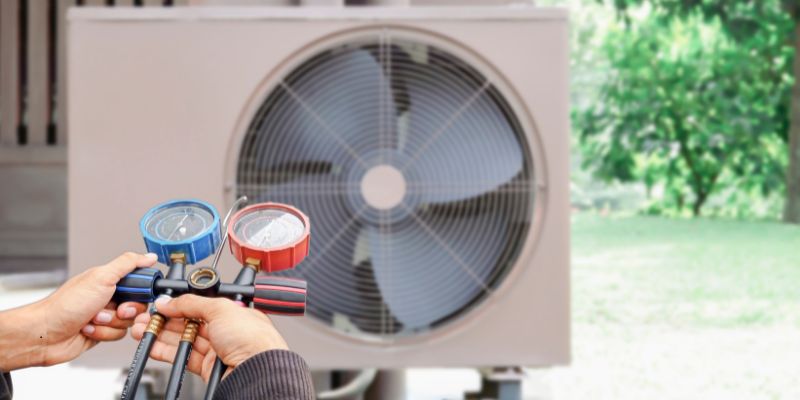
263	237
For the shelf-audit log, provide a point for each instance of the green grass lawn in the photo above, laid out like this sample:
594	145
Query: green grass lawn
682	309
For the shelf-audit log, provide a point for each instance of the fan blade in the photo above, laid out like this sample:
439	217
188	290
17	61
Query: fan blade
336	110
433	266
330	268
459	141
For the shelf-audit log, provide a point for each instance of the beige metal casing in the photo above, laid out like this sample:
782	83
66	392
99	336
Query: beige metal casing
159	102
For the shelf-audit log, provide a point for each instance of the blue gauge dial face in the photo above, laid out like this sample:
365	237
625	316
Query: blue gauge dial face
269	228
179	223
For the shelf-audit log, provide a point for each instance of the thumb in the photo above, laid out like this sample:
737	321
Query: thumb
112	272
193	306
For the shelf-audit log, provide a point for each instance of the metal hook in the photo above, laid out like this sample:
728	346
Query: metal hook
235	206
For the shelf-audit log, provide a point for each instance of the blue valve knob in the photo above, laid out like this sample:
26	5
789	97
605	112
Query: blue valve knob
188	227
138	286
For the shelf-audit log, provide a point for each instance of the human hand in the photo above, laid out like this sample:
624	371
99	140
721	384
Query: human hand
232	332
72	320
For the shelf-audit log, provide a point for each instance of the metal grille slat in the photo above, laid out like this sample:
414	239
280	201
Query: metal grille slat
10	87
38	85
386	100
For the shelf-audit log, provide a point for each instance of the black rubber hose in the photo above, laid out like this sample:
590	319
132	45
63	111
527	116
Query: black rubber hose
213	380
176	271
245	277
178	370
137	366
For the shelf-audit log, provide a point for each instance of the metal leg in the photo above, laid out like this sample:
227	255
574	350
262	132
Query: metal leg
510	391
388	385
504	383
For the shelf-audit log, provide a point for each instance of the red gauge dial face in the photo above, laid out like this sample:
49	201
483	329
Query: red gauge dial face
271	236
269	228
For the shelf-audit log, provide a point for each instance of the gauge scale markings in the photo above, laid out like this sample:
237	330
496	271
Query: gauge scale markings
179	223
269	228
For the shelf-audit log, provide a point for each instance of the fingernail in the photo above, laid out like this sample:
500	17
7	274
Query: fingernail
128	312
152	256
162	301
88	329
103	317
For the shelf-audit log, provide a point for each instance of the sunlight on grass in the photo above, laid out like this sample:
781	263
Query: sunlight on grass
676	309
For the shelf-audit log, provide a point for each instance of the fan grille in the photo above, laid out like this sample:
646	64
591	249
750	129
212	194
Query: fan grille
450	200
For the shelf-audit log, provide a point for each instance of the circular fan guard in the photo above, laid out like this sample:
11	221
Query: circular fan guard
415	174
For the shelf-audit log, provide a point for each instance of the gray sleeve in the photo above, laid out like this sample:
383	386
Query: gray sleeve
6	390
271	375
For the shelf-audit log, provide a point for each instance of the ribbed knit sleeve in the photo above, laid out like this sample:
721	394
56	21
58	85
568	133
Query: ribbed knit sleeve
271	375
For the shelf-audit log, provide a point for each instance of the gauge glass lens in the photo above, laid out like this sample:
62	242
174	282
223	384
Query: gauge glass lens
179	223
269	228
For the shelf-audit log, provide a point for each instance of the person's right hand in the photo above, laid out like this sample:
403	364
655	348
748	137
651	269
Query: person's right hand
233	332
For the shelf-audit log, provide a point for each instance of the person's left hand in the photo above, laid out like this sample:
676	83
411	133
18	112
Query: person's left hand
71	320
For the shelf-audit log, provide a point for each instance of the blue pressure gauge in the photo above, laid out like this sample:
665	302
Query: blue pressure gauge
190	227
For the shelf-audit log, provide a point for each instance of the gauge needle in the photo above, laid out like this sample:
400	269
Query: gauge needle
264	238
180	224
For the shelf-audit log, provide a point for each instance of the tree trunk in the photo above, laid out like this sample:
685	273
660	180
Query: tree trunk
791	212
697	206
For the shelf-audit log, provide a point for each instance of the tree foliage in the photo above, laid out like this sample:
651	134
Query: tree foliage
689	108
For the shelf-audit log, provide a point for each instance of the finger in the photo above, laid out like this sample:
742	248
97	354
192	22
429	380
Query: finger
112	272
130	310
109	318
171	335
162	351
103	333
175	325
208	365
173	331
137	331
170	338
166	352
195	364
173	338
139	326
142	318
203	331
196	307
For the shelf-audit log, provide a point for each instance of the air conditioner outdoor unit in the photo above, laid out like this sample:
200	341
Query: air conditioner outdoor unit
428	145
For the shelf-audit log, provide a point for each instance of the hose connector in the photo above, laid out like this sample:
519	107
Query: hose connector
190	331
156	324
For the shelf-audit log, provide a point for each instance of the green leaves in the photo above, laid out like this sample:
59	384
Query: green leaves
694	103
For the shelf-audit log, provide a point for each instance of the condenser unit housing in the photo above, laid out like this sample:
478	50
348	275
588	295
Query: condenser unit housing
428	145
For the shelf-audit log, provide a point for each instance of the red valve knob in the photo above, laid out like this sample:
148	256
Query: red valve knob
278	295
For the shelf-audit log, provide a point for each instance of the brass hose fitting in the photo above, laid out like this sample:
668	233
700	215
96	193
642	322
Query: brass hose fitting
190	331
156	324
177	258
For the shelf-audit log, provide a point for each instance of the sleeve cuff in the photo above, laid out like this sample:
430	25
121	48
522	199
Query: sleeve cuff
273	375
6	389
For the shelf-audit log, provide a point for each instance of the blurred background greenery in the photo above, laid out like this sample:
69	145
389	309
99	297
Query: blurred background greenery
685	278
686	107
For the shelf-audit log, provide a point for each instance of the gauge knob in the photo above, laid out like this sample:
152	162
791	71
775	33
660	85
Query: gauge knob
278	295
138	286
269	236
188	227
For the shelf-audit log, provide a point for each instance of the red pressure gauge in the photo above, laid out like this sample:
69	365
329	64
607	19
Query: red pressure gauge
269	236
